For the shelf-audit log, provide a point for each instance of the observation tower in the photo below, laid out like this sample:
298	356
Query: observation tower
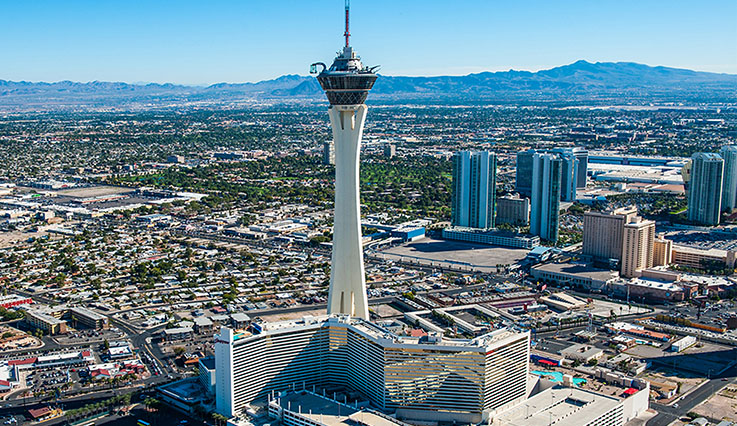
347	84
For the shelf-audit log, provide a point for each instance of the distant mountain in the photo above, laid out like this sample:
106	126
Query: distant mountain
580	82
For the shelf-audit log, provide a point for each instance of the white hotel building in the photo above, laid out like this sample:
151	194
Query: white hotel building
432	379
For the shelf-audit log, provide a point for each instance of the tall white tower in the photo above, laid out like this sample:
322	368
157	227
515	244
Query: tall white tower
346	84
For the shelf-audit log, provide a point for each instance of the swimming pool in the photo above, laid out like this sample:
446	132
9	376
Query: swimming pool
557	377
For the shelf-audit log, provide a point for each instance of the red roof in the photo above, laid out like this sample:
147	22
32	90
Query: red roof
99	372
86	353
630	391
4	383
23	361
39	412
416	332
546	362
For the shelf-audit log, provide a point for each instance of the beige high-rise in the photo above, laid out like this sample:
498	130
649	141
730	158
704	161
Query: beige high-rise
662	252
603	233
637	246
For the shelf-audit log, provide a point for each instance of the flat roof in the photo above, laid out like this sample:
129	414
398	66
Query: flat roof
88	313
328	412
208	362
576	406
702	252
188	390
375	331
178	330
240	317
578	269
654	284
202	321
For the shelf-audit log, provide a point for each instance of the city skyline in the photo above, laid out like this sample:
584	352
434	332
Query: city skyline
231	42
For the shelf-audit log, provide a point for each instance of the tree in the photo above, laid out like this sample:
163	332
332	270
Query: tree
178	351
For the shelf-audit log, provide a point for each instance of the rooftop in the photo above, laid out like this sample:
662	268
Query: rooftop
579	269
375	331
325	411
577	406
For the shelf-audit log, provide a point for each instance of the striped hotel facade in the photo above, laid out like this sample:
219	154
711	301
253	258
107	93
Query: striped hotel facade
445	379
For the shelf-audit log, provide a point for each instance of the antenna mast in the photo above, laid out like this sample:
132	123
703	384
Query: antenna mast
347	33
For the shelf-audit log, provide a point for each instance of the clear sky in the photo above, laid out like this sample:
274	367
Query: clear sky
209	41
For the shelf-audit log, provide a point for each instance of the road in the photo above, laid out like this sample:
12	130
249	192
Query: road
668	414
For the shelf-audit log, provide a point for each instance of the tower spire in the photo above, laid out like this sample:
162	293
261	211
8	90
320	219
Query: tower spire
347	33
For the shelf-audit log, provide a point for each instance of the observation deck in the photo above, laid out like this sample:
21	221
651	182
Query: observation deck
347	81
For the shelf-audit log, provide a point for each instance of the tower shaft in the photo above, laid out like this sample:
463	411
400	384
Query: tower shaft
347	292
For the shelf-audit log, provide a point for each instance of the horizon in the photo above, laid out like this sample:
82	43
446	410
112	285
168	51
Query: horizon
231	42
143	83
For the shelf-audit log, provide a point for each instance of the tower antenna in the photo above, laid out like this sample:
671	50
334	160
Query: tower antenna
347	33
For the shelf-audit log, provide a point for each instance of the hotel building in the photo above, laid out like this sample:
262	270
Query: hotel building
429	378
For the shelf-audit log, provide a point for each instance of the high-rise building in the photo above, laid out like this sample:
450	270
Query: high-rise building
729	181
328	153
662	252
347	83
390	150
545	206
568	173
705	188
474	189
513	211
583	166
637	246
573	172
603	231
428	378
523	182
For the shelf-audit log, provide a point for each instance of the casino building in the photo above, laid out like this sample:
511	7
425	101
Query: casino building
429	378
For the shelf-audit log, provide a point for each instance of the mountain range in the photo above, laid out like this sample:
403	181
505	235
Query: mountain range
579	82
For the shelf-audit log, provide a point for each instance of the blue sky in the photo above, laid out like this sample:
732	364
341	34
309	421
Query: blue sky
209	41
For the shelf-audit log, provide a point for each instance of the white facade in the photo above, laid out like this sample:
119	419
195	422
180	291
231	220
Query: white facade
432	379
347	293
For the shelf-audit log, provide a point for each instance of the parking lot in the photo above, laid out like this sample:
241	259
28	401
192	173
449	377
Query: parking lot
454	254
704	240
85	337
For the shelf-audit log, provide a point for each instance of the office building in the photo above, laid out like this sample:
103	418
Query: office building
705	188
603	231
347	84
421	378
390	150
328	153
523	181
568	173
545	206
57	319
474	189
637	246
729	181
513	211
45	322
